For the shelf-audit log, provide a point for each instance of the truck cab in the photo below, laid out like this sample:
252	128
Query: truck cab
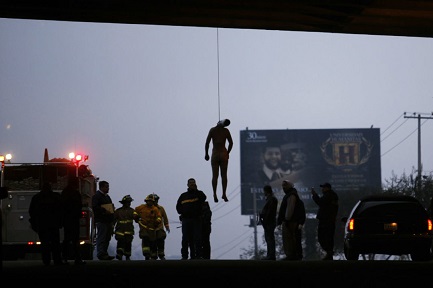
23	180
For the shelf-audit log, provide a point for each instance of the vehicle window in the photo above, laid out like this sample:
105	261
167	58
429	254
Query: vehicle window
390	208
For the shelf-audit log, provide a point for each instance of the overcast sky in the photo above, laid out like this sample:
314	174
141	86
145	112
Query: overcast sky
140	100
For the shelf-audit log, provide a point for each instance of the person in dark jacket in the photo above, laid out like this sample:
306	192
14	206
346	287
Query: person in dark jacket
288	222
72	204
327	215
104	218
190	206
206	229
268	218
46	214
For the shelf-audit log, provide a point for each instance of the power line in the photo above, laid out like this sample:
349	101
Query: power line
398	143
393	131
216	208
392	148
392	124
236	245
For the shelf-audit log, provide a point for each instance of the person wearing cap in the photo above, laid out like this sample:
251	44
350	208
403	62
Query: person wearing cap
124	228
326	215
219	134
148	218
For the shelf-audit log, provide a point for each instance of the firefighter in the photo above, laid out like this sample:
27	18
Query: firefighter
124	228
148	217
160	232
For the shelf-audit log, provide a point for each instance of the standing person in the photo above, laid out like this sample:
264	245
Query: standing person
161	235
148	218
72	204
301	216
219	134
287	220
104	216
268	218
190	206
206	229
124	228
46	213
327	215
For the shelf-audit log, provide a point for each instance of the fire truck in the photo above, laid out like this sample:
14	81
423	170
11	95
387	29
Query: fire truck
23	180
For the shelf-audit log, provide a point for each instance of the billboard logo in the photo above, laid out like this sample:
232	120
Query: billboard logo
254	137
346	149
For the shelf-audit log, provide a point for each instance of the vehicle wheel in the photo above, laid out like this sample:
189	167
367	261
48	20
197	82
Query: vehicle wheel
421	255
87	252
351	254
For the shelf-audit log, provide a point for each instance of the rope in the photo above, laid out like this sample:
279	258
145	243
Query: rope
218	64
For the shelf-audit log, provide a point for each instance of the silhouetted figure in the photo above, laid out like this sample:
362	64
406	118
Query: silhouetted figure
124	228
190	207
161	234
104	218
287	219
206	229
72	204
327	215
268	218
46	213
220	155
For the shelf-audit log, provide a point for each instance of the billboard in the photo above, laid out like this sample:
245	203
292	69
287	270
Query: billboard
349	159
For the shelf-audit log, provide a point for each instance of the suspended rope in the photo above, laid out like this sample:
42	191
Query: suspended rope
218	65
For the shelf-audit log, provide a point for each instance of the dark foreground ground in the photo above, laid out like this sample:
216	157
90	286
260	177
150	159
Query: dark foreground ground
222	274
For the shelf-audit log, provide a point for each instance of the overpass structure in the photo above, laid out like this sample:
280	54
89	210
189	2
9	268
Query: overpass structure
412	18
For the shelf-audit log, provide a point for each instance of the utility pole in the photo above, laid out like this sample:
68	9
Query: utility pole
256	249
418	116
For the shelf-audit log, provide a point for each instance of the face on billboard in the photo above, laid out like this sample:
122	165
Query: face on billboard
272	157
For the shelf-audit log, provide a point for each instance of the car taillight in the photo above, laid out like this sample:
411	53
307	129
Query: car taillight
351	225
83	214
429	225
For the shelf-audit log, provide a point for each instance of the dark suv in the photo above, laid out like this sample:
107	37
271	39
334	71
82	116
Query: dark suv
388	224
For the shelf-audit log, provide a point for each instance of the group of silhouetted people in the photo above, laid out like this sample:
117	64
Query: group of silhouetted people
291	216
49	212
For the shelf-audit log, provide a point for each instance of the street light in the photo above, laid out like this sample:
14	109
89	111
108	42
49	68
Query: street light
5	158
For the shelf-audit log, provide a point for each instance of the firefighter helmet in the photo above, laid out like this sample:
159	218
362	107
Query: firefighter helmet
156	197
126	198
150	197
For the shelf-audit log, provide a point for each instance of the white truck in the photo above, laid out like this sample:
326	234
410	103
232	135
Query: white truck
23	180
